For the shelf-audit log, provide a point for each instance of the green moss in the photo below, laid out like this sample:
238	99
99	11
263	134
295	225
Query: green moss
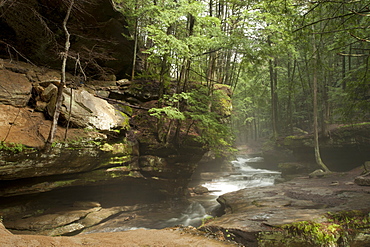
115	174
126	122
293	137
207	219
354	219
337	229
297	141
64	183
117	148
13	147
354	125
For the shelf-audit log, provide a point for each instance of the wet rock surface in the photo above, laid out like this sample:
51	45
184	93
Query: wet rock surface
254	210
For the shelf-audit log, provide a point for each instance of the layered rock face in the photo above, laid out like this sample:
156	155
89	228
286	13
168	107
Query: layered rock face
106	147
105	159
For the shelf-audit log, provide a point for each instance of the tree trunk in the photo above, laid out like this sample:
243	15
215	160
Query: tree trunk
59	98
326	109
315	114
273	87
291	75
135	44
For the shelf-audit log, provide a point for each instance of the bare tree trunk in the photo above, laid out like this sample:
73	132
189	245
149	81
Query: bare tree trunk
273	88
59	98
315	114
135	45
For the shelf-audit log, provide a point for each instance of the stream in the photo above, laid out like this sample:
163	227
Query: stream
244	172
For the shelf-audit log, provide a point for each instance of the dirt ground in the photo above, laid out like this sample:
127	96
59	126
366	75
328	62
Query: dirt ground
140	237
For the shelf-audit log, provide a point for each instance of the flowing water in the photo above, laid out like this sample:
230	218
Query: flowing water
244	173
244	176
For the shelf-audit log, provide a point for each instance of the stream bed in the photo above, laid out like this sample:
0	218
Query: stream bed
244	172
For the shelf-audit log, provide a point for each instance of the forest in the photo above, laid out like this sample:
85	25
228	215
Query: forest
291	66
288	62
117	115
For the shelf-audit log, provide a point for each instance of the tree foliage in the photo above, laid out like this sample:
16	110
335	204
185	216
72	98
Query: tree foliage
266	52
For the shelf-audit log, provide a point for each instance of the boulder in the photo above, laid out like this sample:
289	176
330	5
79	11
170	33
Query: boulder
363	180
48	93
66	230
317	174
367	166
65	222
135	92
200	189
290	168
88	111
49	221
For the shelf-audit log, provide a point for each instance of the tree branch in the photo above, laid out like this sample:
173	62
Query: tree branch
360	39
328	19
353	55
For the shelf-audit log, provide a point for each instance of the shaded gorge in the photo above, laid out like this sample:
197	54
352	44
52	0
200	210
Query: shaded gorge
133	203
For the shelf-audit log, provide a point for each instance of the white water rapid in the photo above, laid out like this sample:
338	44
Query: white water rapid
244	172
243	175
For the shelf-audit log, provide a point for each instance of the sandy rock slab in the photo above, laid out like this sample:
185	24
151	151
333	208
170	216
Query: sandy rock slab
68	221
136	238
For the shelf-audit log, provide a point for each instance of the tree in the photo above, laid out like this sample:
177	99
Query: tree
263	50
315	114
61	85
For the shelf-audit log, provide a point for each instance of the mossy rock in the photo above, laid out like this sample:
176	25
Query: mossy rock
291	168
297	141
117	148
346	228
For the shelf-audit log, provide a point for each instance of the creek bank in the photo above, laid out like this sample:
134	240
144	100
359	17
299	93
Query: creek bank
250	212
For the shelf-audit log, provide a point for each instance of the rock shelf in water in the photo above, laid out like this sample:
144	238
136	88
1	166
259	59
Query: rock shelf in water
265	209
